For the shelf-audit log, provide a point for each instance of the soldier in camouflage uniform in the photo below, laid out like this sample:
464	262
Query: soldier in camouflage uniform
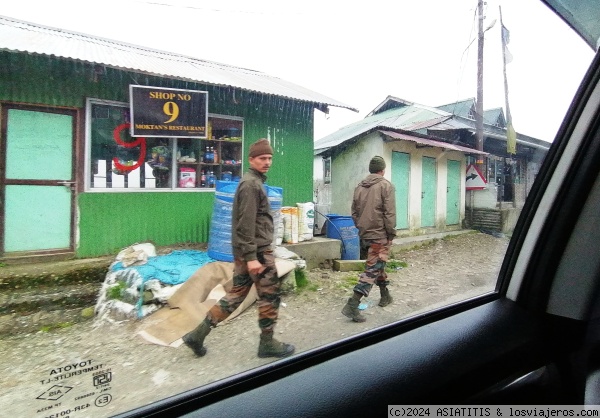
374	214
254	262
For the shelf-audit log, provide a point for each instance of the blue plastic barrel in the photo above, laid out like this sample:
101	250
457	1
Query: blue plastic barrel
219	239
342	228
275	195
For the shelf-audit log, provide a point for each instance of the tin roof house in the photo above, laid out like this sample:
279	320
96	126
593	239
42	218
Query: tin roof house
427	151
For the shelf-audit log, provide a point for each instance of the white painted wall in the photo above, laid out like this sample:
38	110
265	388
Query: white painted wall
486	198
350	167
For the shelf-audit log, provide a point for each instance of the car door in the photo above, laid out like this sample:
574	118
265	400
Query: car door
533	341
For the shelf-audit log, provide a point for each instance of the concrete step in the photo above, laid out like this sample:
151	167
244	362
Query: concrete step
43	320
40	296
50	274
27	301
40	309
35	310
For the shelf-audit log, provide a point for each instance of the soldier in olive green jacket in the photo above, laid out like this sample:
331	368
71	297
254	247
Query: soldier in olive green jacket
254	263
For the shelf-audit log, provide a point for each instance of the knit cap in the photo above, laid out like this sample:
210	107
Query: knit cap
376	164
260	147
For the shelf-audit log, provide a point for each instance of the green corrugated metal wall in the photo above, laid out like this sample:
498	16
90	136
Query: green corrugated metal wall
111	221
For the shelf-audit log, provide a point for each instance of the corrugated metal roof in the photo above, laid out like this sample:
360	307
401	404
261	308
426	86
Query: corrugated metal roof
494	117
462	108
389	103
17	35
442	123
419	119
406	118
432	143
466	108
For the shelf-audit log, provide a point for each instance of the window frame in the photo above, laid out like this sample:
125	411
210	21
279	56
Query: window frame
173	144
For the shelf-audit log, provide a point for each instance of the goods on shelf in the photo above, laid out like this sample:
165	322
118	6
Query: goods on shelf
218	157
187	177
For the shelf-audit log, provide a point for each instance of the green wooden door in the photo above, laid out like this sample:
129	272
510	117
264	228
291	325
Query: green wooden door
401	181
38	181
428	192
453	193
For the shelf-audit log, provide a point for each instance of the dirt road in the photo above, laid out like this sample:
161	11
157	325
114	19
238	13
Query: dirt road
98	371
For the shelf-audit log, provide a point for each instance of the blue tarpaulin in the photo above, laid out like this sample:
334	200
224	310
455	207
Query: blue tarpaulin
173	268
169	269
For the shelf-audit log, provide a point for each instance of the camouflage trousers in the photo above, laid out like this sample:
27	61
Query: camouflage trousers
378	254
268	286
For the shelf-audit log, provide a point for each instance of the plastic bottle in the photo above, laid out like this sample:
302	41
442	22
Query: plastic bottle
202	179
215	156
211	179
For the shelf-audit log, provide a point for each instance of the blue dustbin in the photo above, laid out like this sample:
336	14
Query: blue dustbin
342	227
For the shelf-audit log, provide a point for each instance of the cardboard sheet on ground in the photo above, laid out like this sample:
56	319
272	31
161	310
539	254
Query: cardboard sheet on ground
194	298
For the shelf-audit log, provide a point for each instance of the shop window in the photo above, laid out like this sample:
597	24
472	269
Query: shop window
495	170
118	161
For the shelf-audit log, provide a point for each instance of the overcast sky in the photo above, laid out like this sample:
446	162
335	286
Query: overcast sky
422	51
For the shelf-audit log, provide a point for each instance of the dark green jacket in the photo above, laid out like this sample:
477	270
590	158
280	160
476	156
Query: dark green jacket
251	220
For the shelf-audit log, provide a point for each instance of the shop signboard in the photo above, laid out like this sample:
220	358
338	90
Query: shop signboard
164	112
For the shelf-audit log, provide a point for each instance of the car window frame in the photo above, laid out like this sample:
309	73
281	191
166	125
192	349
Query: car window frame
524	288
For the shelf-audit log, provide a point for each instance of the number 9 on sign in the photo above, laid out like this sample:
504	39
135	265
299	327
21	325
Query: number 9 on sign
171	109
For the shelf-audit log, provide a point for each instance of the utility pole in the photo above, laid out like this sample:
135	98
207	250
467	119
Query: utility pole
511	135
479	103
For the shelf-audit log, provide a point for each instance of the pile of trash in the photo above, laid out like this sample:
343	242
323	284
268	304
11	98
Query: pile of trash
139	282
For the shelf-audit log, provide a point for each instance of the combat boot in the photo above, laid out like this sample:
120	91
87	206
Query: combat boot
386	298
270	347
195	338
351	310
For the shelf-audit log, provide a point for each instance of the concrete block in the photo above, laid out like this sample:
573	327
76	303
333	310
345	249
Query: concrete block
316	251
348	265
